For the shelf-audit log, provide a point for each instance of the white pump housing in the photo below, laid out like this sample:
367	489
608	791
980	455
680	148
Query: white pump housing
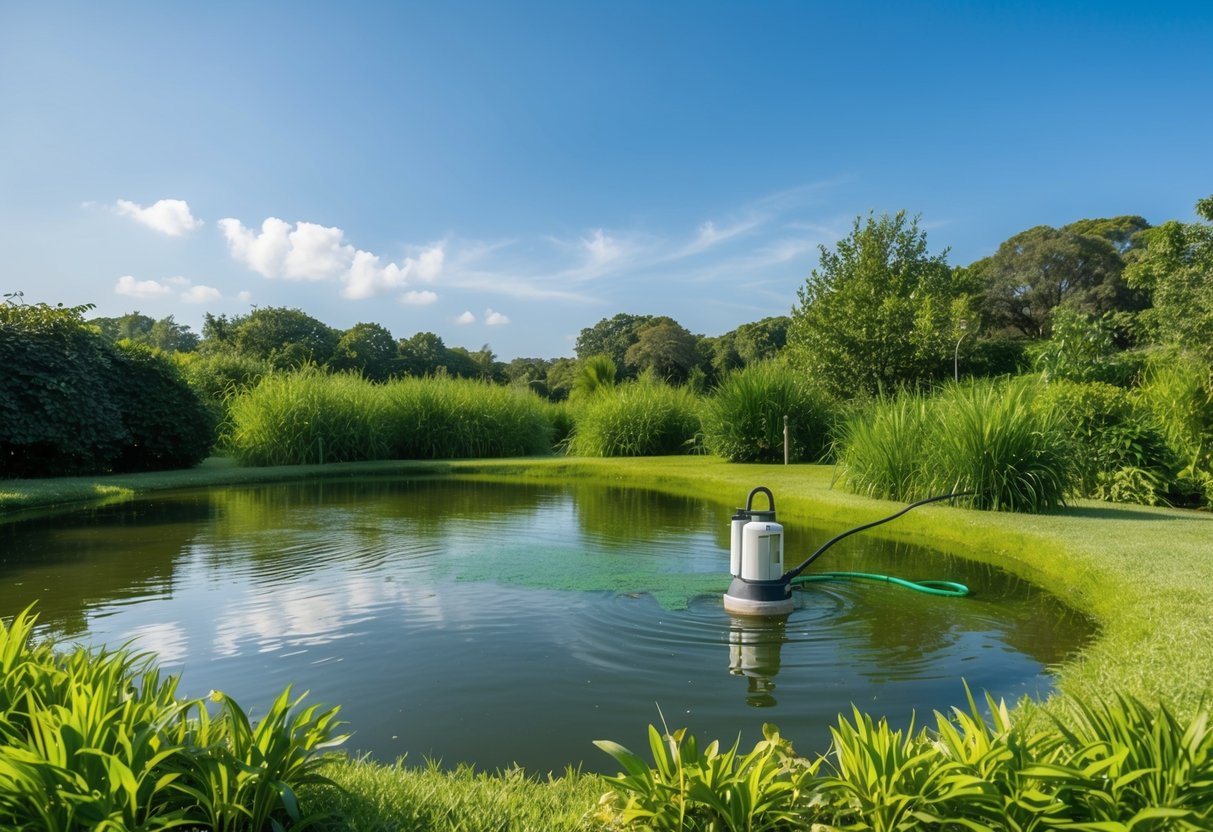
761	551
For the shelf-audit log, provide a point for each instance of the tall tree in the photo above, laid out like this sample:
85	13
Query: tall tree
613	336
879	311
666	349
422	355
1037	270
367	348
1175	266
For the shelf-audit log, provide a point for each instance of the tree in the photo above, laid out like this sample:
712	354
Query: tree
666	349
422	355
595	374
164	334
1124	233
367	348
287	338
879	311
613	336
761	340
1037	270
1175	267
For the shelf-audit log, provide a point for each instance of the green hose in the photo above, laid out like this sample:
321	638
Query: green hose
949	588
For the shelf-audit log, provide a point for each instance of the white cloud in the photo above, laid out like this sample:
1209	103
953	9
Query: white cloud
127	285
317	253
201	294
466	318
419	298
168	216
366	278
244	297
430	262
601	248
264	253
495	318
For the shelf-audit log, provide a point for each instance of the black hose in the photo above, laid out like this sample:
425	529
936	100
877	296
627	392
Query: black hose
792	573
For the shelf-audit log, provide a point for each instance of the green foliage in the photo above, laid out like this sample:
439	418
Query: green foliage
100	741
1175	267
613	337
217	377
308	416
1178	390
286	338
665	349
743	419
1000	355
595	374
1114	766
986	438
879	312
167	424
711	789
368	349
640	418
1081	348
1120	453
446	418
1038	270
164	334
56	412
72	402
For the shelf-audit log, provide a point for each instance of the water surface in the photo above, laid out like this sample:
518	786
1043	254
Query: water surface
498	624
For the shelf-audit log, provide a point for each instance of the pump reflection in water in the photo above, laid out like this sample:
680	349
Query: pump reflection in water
754	647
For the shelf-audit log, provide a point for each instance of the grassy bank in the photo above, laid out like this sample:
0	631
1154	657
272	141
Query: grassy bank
1145	574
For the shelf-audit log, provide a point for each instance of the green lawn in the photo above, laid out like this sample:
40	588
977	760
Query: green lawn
1145	574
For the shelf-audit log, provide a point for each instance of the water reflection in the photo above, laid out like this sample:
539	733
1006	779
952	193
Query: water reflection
754	647
552	616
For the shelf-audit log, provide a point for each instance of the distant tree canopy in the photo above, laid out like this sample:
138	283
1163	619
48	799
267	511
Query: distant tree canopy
1080	265
287	338
879	311
164	334
613	337
368	349
665	349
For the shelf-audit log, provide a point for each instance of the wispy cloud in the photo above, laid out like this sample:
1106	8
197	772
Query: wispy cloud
132	288
415	298
168	216
182	287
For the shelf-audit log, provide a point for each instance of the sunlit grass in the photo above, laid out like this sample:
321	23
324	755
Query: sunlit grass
642	418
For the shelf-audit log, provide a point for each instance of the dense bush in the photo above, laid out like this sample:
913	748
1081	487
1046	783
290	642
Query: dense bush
1120	453
1178	390
167	425
71	402
986	438
219	376
743	419
308	416
101	741
640	418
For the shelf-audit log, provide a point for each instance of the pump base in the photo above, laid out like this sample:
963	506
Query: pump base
759	598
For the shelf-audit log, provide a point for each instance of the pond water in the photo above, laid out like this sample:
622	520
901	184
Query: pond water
498	624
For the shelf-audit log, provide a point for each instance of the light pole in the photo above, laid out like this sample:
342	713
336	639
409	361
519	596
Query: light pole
964	330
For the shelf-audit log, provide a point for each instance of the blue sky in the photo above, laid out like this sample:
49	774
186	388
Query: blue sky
509	173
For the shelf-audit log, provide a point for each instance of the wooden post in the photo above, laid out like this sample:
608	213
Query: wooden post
785	440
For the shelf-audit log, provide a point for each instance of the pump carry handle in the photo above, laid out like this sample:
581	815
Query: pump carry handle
762	489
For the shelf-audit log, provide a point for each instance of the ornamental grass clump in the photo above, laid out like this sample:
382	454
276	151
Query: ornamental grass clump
744	417
448	418
986	439
642	418
308	416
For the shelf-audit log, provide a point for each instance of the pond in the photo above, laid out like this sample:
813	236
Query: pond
496	623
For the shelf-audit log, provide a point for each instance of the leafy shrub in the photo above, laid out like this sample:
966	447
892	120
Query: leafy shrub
1082	348
73	403
219	376
1178	390
100	740
56	412
1120	453
986	438
166	423
640	418
743	419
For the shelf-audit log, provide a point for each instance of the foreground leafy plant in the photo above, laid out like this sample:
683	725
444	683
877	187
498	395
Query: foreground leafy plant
100	740
689	789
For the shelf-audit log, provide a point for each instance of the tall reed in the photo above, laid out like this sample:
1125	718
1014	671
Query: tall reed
743	420
640	418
